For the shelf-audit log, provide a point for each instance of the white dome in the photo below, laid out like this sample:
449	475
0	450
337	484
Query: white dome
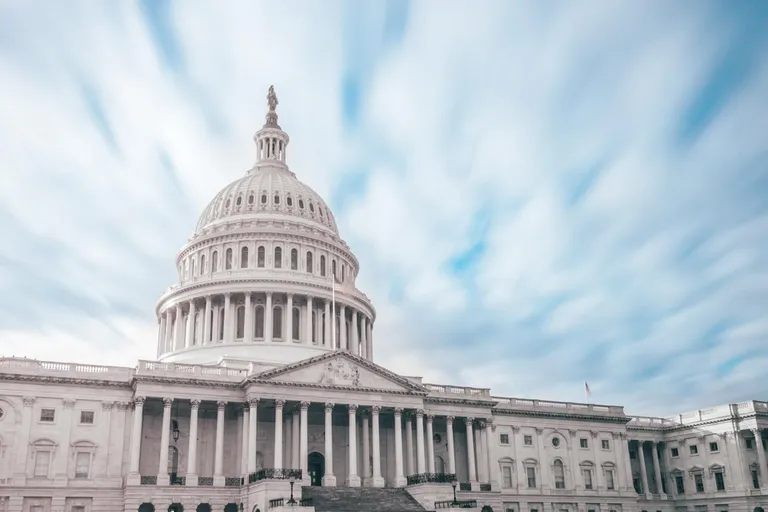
263	191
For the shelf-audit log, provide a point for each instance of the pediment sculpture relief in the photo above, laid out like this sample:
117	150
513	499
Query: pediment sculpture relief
340	372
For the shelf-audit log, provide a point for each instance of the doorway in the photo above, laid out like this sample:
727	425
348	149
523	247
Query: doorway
316	468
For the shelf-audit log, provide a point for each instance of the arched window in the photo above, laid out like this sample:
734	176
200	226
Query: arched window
314	327
343	272
221	324
277	322
559	472
260	256
338	332
244	257
333	268
587	474
202	264
240	322
439	465
263	198
294	259
215	261
296	323
258	327
310	269
228	261
278	257
209	334
322	265
277	199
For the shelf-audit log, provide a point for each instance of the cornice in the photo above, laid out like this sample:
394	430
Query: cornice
461	401
714	421
327	387
57	379
165	379
546	414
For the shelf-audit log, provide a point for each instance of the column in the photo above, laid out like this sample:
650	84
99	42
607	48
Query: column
481	464
248	327
162	469
268	318
343	327
227	318
627	461
296	426
279	433
760	456
451	449
366	449
308	322
168	327
355	349
378	480
363	337
190	325
192	458
61	463
657	467
486	452
288	336
399	478
410	466
218	463
138	419
253	422
420	466
643	472
369	337
177	333
471	450
244	443
430	444
303	443
353	480
206	338
327	336
161	335
329	479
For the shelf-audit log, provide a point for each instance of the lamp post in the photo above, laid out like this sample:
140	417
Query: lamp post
292	480
454	484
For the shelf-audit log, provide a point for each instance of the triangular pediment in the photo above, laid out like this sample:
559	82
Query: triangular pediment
340	370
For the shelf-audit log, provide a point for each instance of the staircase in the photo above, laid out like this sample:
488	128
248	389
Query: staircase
360	499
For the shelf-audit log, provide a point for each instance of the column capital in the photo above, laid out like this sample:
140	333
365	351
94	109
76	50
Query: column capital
227	294
221	404
724	435
329	406
594	434
539	431
107	406
430	418
68	403
279	403
167	402
304	405
468	421
516	429
419	412
268	294
139	400
194	403
756	431
352	408
701	439
289	295
253	403
375	410
449	419
122	406
398	411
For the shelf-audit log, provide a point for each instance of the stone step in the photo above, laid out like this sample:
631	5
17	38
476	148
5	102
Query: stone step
358	499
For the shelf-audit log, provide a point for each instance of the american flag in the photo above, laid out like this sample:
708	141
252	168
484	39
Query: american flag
586	388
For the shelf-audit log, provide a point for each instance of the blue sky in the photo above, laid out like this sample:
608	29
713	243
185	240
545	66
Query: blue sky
538	193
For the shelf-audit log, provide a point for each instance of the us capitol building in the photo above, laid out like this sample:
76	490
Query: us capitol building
265	389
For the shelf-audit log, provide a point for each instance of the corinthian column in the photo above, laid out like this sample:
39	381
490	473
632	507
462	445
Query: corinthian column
329	479
353	480
308	322
409	464
471	450
399	478
303	443
420	466
430	445
279	433
162	470
218	463
192	460
451	452
190	337
138	419
253	422
378	480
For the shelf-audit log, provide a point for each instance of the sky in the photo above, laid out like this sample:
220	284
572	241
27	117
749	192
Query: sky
539	193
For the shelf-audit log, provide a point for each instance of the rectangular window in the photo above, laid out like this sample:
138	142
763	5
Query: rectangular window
47	415
719	481
42	463
587	478
694	449
583	443
713	447
531	474
699	482
674	452
606	444
86	417
755	479
506	476
609	480
82	464
504	438
680	484
528	440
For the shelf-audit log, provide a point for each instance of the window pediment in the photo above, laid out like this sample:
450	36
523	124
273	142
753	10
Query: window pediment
716	468
84	445
608	465
506	460
586	464
676	472
43	443
530	462
696	470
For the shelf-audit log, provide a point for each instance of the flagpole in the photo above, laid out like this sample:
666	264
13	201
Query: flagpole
333	308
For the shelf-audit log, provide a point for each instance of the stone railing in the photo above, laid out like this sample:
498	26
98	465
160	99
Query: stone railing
650	422
19	365
275	474
192	371
558	407
456	504
432	478
458	390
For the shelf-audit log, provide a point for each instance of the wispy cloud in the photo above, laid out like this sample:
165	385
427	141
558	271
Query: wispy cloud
537	194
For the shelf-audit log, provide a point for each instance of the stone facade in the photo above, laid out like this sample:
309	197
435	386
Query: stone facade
265	378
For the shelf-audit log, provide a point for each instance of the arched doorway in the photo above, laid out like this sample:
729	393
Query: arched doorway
316	468
204	507
758	509
486	508
175	507
231	507
146	507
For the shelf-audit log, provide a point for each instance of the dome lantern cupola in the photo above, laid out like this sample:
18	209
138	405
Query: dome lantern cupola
271	140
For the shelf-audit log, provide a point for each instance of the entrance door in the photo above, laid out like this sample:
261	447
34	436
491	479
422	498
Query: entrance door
316	464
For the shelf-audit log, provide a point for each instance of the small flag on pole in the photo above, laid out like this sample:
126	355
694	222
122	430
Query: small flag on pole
587	392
